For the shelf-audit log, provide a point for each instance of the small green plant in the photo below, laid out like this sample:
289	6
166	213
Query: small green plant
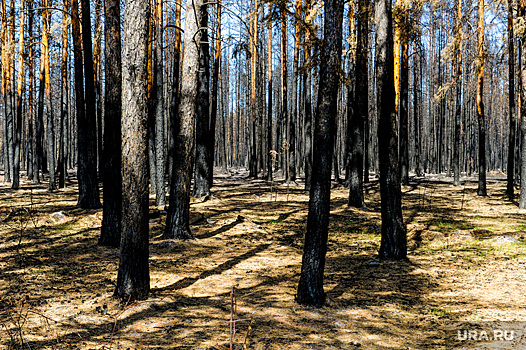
440	313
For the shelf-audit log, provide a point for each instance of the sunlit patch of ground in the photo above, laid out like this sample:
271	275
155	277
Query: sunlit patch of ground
467	258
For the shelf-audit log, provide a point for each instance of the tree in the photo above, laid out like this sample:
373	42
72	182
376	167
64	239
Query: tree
307	82
178	217
85	102
64	99
50	130
18	121
111	166
310	288
359	114
269	96
393	244
159	106
511	103
133	280
522	90
404	96
480	103
284	113
458	95
213	103
203	134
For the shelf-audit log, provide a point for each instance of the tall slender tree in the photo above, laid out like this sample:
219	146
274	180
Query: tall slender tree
480	102
522	103
361	108
50	125
64	98
214	99
133	279
310	288
178	217
458	95
85	102
393	244
160	191
511	102
19	97
203	134
111	166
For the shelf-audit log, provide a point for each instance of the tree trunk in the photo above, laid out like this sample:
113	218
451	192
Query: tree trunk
85	101
404	99
361	108
160	192
64	93
110	234
458	96
214	101
174	98
133	280
203	134
511	103
50	131
310	288
522	104
284	118
294	99
270	148
480	103
18	121
178	218
97	48
394	242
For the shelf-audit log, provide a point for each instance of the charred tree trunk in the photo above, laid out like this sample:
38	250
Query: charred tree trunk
214	100
394	242
511	103
310	288
480	103
110	234
203	135
458	97
160	192
133	280
361	108
18	121
178	218
64	98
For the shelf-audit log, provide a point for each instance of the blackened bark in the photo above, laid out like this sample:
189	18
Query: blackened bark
174	98
133	280
308	121
213	103
160	192
394	242
310	288
110	234
270	173
404	108
86	118
358	118
522	85
203	134
481	191
178	217
511	103
458	96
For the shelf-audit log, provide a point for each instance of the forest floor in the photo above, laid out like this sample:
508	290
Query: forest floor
466	272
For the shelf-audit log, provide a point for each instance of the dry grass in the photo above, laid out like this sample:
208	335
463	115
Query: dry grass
466	267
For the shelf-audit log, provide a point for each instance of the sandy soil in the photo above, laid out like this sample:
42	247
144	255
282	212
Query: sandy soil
465	277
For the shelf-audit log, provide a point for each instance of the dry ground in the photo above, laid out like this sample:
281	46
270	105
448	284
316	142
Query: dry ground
466	271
